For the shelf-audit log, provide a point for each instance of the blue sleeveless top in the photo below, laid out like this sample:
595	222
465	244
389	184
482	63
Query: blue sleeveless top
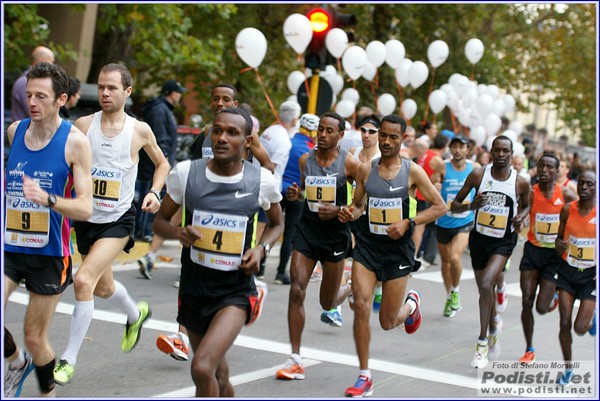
453	182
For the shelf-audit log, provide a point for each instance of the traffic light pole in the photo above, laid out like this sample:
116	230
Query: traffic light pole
314	93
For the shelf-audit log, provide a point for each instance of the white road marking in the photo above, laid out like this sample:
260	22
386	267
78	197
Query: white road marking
284	349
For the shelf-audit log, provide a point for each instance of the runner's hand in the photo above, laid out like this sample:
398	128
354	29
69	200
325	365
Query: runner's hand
188	235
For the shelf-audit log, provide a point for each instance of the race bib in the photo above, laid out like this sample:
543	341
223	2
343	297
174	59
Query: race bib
319	190
582	252
449	200
382	213
207	153
492	220
106	188
27	223
223	239
546	227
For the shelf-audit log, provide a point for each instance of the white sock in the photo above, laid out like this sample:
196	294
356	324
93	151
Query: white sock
378	289
121	299
412	304
366	373
151	256
500	290
482	342
297	358
19	361
185	338
456	289
80	322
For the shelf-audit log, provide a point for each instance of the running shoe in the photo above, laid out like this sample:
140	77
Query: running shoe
494	344
292	370
480	359
528	358
554	303
257	301
501	301
15	377
317	274
63	372
176	283
377	302
448	311
146	266
176	345
283	279
413	321
332	317
565	379
362	388
132	333
592	329
455	301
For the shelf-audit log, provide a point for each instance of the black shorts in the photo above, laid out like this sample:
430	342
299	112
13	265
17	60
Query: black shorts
580	283
88	233
388	262
445	235
322	245
196	313
44	275
546	260
482	247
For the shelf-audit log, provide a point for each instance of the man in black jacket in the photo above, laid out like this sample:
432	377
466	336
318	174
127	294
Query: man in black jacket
158	113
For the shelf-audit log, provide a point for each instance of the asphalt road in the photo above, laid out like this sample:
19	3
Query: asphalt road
432	363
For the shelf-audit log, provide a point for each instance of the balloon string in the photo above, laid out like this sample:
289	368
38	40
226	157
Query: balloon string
306	88
377	78
453	118
473	73
339	66
401	96
427	102
267	96
246	70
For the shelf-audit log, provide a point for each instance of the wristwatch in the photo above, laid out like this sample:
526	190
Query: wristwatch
411	223
51	200
267	248
156	193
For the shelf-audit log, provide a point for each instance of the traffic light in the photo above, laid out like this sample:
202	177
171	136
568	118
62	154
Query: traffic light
322	21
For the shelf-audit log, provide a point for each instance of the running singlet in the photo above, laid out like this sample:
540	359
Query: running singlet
453	182
31	228
580	234
113	171
425	161
544	217
494	219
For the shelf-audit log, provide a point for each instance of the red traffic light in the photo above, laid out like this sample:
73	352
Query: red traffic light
319	19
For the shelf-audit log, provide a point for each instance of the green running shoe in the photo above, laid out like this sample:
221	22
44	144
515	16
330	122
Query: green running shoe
63	372
448	311
455	301
132	331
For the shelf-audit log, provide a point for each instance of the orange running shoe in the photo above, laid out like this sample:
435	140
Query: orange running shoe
176	345
292	370
528	358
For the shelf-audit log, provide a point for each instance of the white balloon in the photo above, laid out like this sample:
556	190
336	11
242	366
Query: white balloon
294	80
509	102
251	46
518	149
464	117
293	98
512	135
476	119
485	104
402	72
336	42
297	31
437	100
493	91
337	84
469	98
452	79
307	73
369	72
409	108
460	85
418	74
478	134
395	52
386	104
354	62
488	141
516	127
451	96
474	50
329	72
481	89
492	124
499	107
376	53
437	53
352	95
345	108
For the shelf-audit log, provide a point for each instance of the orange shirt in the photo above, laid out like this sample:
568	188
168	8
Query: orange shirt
580	234
545	217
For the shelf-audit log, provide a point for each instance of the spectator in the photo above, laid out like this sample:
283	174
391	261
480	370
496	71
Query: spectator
73	97
19	108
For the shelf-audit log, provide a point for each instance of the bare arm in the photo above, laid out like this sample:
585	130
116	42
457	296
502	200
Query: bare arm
78	154
473	179
151	203
294	191
519	219
355	210
259	151
560	243
274	229
439	172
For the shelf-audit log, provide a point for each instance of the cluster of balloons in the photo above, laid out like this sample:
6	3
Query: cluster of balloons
477	106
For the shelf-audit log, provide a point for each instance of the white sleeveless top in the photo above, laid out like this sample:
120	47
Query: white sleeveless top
113	171
360	148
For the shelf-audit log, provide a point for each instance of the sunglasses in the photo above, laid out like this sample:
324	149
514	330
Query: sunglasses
371	131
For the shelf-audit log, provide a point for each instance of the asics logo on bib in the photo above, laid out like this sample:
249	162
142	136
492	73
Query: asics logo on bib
386	203
26	204
218	222
320	181
392	189
102	173
239	195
